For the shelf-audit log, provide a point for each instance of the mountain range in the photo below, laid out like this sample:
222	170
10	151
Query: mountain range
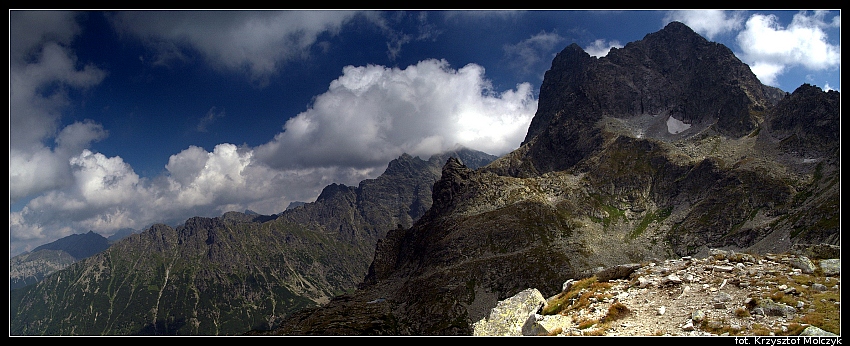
230	274
664	148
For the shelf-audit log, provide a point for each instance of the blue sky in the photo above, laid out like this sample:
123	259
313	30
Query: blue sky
122	119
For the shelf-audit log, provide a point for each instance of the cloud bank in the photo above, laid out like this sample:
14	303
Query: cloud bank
372	114
368	116
709	23
599	48
42	70
256	42
771	50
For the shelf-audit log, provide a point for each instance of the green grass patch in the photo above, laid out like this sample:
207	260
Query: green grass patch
656	216
614	214
820	307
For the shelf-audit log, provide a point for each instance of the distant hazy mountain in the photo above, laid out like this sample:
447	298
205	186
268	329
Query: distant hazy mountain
29	268
121	234
296	204
78	245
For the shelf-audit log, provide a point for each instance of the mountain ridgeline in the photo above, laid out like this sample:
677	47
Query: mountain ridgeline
230	274
667	147
664	148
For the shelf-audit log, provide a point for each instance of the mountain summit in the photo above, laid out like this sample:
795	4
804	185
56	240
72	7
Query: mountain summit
667	147
671	85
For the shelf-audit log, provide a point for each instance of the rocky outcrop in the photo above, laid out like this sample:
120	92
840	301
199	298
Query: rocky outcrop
804	123
514	316
31	267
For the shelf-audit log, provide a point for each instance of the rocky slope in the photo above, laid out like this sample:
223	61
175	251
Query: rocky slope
662	149
229	274
725	293
31	267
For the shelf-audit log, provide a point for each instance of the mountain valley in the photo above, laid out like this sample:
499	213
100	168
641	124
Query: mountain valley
666	148
599	181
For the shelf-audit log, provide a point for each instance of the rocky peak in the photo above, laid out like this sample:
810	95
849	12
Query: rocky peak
404	165
560	87
78	245
671	85
332	190
806	120
455	176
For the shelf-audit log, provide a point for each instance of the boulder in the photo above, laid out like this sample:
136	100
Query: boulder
803	263
831	267
768	307
815	331
621	271
515	316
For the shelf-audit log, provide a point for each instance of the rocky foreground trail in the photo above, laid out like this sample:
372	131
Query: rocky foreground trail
725	293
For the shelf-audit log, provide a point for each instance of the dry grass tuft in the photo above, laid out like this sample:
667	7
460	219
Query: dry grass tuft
742	312
556	331
616	311
587	323
578	296
760	330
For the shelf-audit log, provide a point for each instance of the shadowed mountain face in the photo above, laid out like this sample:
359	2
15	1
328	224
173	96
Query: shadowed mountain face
230	274
664	148
78	245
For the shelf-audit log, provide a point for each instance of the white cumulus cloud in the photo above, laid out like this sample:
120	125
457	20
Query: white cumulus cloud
371	114
771	49
708	23
600	48
41	72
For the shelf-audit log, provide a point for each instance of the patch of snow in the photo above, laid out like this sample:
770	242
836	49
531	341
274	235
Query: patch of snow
675	126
